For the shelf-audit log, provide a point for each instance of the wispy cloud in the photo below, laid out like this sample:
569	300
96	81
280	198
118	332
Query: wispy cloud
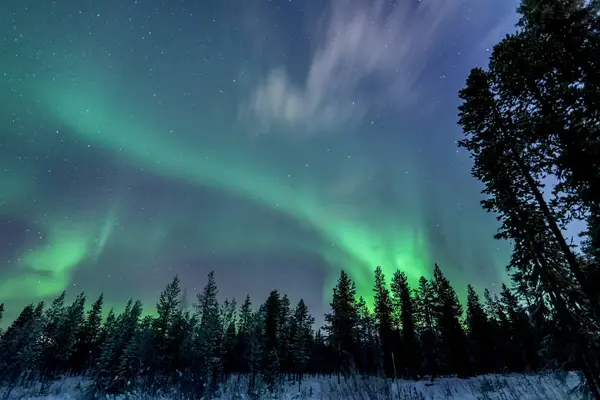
359	40
505	25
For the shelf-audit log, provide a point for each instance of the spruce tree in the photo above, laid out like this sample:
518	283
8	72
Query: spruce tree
68	333
511	191
186	330
285	319
383	315
498	332
427	328
87	346
229	318
318	355
341	322
522	344
532	114
209	335
107	327
448	312
182	331
300	339
271	364
20	347
164	351
479	334
256	346
499	127
119	333
403	303
367	357
559	42
244	332
137	353
51	352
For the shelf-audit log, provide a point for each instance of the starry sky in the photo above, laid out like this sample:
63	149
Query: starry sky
274	142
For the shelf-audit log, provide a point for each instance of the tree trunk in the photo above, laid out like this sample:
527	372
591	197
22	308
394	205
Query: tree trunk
586	360
551	220
571	259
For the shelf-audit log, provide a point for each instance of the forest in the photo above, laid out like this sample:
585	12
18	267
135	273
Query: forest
530	117
407	333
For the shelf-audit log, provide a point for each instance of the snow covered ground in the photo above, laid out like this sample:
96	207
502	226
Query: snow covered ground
501	387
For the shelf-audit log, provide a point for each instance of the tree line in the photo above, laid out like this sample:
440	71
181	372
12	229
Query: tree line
406	333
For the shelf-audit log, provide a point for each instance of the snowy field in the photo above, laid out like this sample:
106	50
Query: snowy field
501	387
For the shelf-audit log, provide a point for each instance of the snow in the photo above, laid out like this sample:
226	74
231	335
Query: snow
502	387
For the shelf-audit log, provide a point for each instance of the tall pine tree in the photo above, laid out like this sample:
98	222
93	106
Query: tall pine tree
404	304
427	328
383	313
300	339
272	340
506	122
87	345
479	334
448	312
209	335
341	322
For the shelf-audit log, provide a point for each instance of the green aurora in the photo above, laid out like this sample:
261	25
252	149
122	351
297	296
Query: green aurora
116	129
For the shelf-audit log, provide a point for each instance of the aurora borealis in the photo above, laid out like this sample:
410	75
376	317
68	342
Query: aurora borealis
274	142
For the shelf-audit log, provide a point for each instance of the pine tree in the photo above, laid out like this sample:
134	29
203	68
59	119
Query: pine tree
524	350
558	77
228	316
87	346
181	338
51	351
68	333
134	354
164	352
403	303
500	130
256	345
448	312
512	190
186	328
529	110
244	336
209	335
20	347
367	357
341	322
284	335
318	362
427	328
119	333
271	364
301	339
107	327
498	333
559	83
479	334
383	315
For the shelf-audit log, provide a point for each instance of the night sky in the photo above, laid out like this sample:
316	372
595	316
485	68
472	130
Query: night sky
274	142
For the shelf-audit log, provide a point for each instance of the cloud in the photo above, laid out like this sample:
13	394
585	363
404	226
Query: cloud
503	27
359	40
